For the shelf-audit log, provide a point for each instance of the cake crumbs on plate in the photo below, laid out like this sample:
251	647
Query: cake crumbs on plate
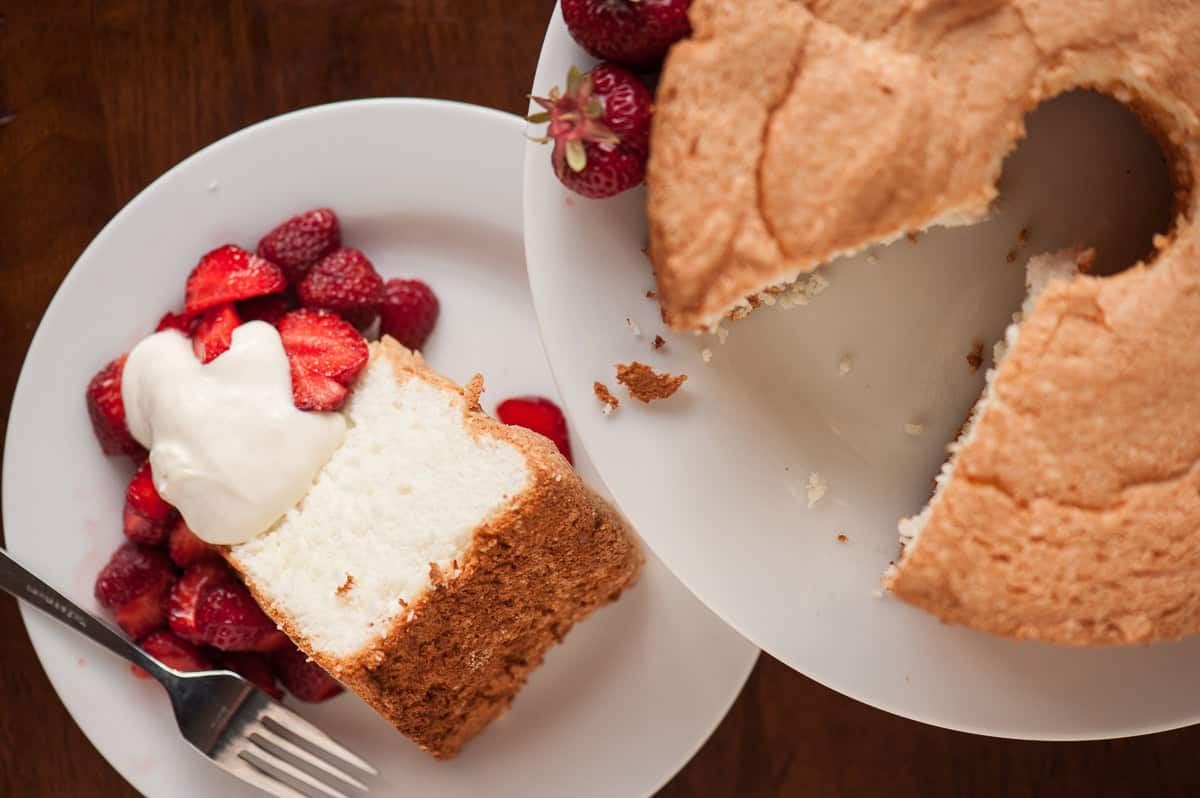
651	295
816	489
914	428
633	328
658	343
843	537
608	402
345	586
214	185
722	334
706	355
646	385
845	365
975	356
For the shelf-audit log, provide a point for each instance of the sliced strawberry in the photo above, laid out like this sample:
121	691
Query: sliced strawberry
107	411
132	571
214	333
229	619
316	392
175	653
410	311
177	321
185	547
146	613
344	282
230	273
326	354
147	516
540	415
303	679
301	241
255	668
189	591
266	308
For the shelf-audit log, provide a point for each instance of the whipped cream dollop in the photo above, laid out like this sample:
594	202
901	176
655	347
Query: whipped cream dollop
228	447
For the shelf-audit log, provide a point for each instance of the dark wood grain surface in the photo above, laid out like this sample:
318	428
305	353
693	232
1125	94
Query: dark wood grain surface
105	96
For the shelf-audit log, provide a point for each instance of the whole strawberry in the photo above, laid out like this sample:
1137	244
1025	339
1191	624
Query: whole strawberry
634	33
410	311
345	282
601	130
296	244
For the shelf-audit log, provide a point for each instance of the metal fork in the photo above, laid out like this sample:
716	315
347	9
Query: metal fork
219	713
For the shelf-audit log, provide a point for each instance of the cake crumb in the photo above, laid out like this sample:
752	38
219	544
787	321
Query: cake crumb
633	328
722	334
975	356
659	342
214	186
651	295
816	488
911	235
843	538
608	402
872	257
877	593
913	428
472	392
845	365
706	355
645	384
804	290
1023	237
1011	257
345	587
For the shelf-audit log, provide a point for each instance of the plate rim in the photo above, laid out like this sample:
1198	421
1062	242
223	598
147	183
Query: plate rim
148	193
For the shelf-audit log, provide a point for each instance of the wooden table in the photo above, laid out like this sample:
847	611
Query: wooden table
107	95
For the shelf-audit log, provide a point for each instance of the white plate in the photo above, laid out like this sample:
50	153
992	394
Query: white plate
429	189
719	487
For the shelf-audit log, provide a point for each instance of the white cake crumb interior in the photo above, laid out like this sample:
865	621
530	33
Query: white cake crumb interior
407	487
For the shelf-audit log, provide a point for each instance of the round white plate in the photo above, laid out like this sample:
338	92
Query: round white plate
719	487
429	189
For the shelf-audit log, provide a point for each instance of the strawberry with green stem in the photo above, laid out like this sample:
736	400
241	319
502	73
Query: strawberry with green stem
600	128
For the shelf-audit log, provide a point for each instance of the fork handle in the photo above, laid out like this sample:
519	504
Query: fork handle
20	582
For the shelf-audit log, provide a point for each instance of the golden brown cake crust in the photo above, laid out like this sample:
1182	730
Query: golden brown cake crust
785	135
455	659
647	385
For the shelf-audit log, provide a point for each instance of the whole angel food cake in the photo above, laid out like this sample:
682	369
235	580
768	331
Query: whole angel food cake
315	510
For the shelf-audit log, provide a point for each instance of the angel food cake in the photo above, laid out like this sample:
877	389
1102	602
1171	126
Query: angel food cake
437	556
307	505
789	133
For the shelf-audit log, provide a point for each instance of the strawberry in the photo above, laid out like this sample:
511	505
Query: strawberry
184	602
107	412
345	282
177	321
132	571
146	613
325	353
175	653
601	130
214	333
185	548
229	619
540	415
230	273
410	310
635	33
266	308
301	241
147	516
254	668
303	679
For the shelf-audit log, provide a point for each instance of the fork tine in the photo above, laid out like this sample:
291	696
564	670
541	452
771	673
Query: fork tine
281	771
297	730
297	757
